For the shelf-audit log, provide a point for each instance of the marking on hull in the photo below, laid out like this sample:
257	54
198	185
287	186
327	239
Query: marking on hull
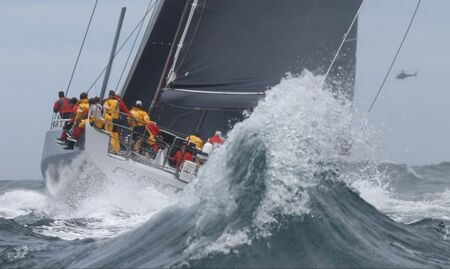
152	181
171	188
123	172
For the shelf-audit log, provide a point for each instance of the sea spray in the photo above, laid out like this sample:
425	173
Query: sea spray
267	162
85	204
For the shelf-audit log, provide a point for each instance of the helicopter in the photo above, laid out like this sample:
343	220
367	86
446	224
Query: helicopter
402	75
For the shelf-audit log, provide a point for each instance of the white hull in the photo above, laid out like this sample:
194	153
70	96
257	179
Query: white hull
94	159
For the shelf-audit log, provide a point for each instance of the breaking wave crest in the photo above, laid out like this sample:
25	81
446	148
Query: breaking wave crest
270	159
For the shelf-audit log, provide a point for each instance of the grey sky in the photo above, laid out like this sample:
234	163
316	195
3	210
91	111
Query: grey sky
411	116
40	39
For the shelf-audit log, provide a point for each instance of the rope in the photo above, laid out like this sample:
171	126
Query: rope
121	46
342	43
81	48
132	48
396	55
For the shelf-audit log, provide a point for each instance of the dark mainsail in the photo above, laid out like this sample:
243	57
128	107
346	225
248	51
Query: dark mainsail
234	50
148	65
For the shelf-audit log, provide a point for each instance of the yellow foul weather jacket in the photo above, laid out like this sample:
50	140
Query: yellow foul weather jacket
195	140
82	112
140	117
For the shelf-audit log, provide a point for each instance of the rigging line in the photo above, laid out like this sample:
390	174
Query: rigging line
396	55
81	48
344	39
121	47
132	48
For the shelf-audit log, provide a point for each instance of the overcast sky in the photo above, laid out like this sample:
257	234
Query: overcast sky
39	40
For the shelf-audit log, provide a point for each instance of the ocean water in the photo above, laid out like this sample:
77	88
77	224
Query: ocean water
278	193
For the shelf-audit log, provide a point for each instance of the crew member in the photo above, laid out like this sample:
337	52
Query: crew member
216	140
153	131
63	106
196	140
113	105
181	156
68	126
81	117
96	113
139	119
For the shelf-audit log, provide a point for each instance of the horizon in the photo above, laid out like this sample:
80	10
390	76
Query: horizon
38	55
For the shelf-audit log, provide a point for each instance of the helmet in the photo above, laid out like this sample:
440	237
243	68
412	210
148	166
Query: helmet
138	103
218	133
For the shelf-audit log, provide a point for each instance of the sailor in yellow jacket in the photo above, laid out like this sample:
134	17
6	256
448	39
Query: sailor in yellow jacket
113	105
81	116
196	140
138	120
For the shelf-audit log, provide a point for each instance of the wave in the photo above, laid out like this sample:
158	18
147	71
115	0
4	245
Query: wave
278	193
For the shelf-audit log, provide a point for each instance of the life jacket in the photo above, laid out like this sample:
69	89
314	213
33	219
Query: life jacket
64	105
195	140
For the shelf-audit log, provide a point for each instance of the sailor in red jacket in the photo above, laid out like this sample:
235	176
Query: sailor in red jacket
69	124
216	140
181	156
153	131
63	106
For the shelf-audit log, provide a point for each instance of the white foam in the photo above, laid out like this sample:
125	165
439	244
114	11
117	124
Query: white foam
375	186
21	202
119	207
299	124
88	206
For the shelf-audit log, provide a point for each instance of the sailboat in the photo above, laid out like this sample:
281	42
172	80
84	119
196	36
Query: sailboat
201	64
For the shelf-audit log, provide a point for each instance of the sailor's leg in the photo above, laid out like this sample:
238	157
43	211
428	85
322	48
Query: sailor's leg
108	123
115	144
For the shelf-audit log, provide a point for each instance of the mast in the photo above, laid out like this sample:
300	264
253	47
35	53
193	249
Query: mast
171	74
113	52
